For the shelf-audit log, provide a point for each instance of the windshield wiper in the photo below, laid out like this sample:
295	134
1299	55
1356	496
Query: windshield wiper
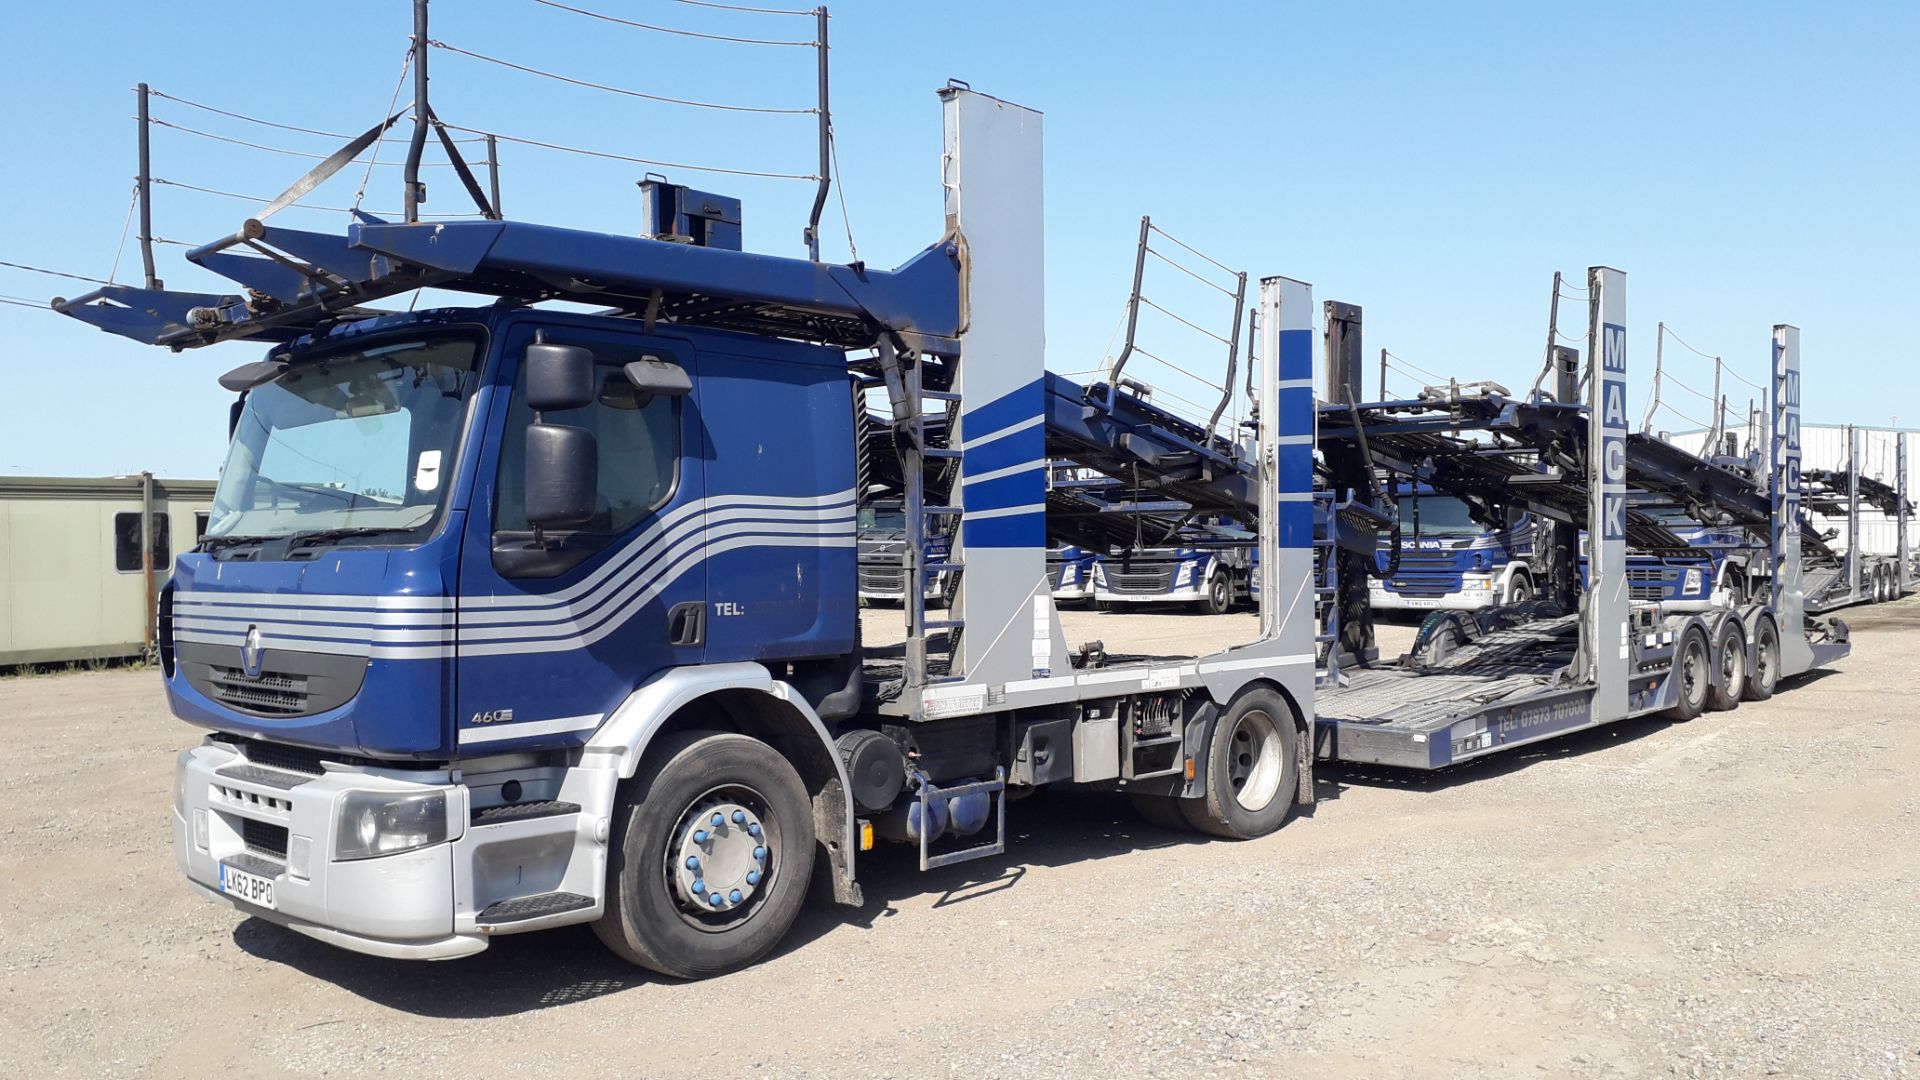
304	538
211	543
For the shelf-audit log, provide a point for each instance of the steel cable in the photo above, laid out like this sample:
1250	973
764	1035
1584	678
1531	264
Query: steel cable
661	98
681	33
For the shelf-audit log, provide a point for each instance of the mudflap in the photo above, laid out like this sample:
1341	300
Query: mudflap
830	816
1304	750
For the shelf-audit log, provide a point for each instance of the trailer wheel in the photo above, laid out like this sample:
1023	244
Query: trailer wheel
1766	662
1693	668
1882	585
1252	770
1219	596
1731	653
710	857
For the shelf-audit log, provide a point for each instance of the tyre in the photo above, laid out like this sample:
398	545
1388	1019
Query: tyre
1519	590
1161	810
710	858
1766	662
1252	771
1730	659
1693	671
1219	596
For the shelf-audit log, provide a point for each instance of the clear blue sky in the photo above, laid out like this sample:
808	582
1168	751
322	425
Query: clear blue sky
1746	164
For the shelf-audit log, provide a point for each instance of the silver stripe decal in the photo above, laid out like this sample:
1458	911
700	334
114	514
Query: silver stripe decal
774	504
1011	470
521	729
1004	511
617	608
1029	422
641	599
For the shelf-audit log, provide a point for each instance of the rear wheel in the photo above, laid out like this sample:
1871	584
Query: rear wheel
1693	674
710	857
1252	771
1766	662
1730	655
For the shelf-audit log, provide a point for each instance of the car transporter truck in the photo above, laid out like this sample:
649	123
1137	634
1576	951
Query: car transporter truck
578	640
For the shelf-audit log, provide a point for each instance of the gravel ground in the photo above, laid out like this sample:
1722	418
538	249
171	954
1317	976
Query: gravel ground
1730	897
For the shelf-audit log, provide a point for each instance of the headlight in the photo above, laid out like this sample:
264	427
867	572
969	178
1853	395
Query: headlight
1692	583
373	823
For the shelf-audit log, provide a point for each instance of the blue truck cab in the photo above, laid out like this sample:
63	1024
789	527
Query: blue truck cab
370	585
1070	572
1209	577
1450	561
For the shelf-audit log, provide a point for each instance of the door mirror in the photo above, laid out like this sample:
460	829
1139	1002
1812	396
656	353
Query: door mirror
557	377
660	376
563	470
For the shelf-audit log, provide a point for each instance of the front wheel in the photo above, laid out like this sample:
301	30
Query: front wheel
1219	596
1520	590
1252	770
1693	673
710	857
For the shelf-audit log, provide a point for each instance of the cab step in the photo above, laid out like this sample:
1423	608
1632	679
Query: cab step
498	815
528	908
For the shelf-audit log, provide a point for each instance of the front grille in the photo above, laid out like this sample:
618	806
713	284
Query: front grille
291	758
1426	574
271	693
264	839
1140	578
883	579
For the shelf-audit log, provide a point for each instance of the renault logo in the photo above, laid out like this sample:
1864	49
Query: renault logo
250	653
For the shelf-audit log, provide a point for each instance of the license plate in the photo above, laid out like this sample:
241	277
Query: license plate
241	885
1423	603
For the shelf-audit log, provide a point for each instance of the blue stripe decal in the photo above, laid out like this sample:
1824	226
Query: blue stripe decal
1296	410
1018	448
1023	403
1013	531
1296	524
1021	489
1296	358
1295	468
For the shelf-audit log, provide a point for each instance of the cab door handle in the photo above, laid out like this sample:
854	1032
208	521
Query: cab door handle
687	623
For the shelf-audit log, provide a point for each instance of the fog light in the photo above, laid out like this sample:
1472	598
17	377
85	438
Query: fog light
299	855
200	829
374	823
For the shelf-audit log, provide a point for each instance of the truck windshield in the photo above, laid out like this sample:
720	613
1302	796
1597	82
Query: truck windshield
1437	515
883	517
359	441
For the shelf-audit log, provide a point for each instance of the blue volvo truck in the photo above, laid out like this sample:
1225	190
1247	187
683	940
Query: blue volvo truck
511	617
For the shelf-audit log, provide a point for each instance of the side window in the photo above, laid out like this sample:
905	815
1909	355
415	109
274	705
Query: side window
126	542
639	442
